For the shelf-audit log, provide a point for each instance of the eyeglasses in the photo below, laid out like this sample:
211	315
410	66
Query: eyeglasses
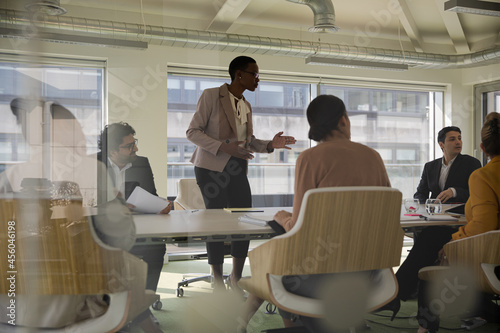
131	145
255	74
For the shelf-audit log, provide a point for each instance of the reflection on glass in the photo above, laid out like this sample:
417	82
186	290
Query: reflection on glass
80	88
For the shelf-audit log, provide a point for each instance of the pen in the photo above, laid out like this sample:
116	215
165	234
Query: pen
194	210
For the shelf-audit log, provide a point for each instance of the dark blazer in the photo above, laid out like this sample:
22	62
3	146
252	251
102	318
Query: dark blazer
140	174
458	178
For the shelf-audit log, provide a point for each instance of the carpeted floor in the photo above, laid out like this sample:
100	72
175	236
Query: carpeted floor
199	310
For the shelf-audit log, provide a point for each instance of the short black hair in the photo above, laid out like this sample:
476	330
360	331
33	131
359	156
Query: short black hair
323	114
239	63
112	136
442	133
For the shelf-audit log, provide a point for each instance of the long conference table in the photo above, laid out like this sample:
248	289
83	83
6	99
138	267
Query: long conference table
208	225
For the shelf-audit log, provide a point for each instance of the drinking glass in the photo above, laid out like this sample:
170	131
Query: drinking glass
433	206
411	205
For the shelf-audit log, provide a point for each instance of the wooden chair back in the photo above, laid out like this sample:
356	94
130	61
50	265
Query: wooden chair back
478	254
58	254
339	229
55	251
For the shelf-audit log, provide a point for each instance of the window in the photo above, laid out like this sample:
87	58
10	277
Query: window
276	106
399	124
79	89
486	100
396	124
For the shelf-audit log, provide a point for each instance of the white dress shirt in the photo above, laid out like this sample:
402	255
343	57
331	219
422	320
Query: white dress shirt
240	110
445	170
119	176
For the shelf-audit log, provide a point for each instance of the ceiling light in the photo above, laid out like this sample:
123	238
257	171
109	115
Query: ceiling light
47	7
473	7
313	60
75	39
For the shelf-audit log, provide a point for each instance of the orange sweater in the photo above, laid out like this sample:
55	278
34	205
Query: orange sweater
338	162
482	208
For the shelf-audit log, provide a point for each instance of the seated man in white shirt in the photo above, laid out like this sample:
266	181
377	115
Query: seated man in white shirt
118	152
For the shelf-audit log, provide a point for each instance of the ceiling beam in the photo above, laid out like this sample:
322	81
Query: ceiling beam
455	29
406	19
227	15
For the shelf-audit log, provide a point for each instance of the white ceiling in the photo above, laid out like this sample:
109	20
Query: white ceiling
414	25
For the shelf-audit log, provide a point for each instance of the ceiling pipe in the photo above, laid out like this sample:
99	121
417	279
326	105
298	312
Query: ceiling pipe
324	14
18	25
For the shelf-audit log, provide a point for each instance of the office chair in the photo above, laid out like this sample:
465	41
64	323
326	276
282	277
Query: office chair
58	253
478	255
189	197
350	230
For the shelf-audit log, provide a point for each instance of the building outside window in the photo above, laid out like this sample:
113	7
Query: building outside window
399	124
78	88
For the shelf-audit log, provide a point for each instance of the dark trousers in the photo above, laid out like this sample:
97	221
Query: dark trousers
423	253
153	255
226	189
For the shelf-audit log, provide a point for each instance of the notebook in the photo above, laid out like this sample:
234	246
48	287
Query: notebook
263	220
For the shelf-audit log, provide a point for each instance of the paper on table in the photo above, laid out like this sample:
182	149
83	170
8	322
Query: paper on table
242	210
256	219
440	217
145	202
405	218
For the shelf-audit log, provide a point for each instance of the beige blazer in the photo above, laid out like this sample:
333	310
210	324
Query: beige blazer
214	123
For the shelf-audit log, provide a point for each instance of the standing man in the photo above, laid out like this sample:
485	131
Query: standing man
222	130
447	178
127	170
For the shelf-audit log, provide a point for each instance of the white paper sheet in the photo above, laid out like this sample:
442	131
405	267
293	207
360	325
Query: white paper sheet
145	202
256	219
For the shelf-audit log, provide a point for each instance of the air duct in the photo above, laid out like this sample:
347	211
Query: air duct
47	7
324	14
15	24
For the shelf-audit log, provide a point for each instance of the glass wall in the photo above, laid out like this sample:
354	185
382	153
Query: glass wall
78	89
399	124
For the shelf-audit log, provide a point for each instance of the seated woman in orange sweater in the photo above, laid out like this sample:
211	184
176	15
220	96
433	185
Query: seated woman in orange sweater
482	210
335	161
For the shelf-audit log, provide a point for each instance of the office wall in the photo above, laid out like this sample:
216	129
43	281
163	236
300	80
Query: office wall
137	86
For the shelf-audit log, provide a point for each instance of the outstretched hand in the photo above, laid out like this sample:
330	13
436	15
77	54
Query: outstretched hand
280	141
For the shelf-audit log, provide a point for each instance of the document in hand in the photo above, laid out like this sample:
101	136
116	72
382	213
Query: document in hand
145	202
256	219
